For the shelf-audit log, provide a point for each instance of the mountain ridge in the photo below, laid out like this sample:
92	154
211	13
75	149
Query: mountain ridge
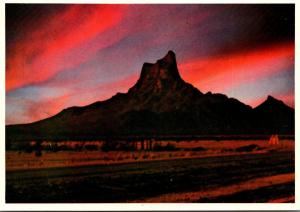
160	103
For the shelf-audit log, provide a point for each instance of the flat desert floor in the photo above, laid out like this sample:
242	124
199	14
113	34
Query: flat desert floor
198	171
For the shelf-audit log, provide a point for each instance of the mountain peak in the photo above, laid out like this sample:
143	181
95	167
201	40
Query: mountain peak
159	76
169	58
168	64
270	103
271	99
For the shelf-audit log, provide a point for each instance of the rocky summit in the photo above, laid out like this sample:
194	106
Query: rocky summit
161	103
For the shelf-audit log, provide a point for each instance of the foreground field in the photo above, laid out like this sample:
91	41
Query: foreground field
253	177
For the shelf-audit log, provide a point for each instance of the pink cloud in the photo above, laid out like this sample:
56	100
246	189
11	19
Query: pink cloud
50	48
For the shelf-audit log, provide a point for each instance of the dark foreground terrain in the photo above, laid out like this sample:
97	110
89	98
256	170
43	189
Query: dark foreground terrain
144	180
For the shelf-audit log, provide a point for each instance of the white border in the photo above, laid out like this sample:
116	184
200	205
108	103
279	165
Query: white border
147	207
152	1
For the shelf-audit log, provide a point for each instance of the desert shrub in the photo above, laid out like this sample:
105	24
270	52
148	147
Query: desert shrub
52	148
248	148
168	147
126	146
157	147
145	156
117	146
78	147
38	149
200	148
91	147
109	146
28	149
227	150
8	144
21	146
273	150
261	148
64	147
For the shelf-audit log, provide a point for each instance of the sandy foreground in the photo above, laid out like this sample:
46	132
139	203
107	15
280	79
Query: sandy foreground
237	178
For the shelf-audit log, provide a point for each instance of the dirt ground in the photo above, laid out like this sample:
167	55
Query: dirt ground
238	178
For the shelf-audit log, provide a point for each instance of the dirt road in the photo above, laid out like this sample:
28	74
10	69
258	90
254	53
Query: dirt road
142	180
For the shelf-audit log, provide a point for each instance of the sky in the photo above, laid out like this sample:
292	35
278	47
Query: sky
63	55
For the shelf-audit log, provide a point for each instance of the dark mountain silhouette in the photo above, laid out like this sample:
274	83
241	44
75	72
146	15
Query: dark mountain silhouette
161	103
273	116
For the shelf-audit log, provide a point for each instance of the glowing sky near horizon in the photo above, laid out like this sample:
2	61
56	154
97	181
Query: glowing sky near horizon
59	56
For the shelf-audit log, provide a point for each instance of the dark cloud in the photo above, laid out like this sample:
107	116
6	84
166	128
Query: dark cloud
21	18
245	26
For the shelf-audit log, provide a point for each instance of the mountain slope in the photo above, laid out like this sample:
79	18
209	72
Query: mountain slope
160	103
273	116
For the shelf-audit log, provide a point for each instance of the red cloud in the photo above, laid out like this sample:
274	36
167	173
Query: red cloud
50	48
223	72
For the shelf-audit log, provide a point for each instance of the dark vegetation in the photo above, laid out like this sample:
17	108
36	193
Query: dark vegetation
168	147
117	146
107	146
113	145
248	148
200	148
36	148
124	182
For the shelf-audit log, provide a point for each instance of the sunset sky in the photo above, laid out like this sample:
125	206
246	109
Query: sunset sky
59	56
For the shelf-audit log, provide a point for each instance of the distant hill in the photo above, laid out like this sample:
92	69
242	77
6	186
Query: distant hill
161	103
